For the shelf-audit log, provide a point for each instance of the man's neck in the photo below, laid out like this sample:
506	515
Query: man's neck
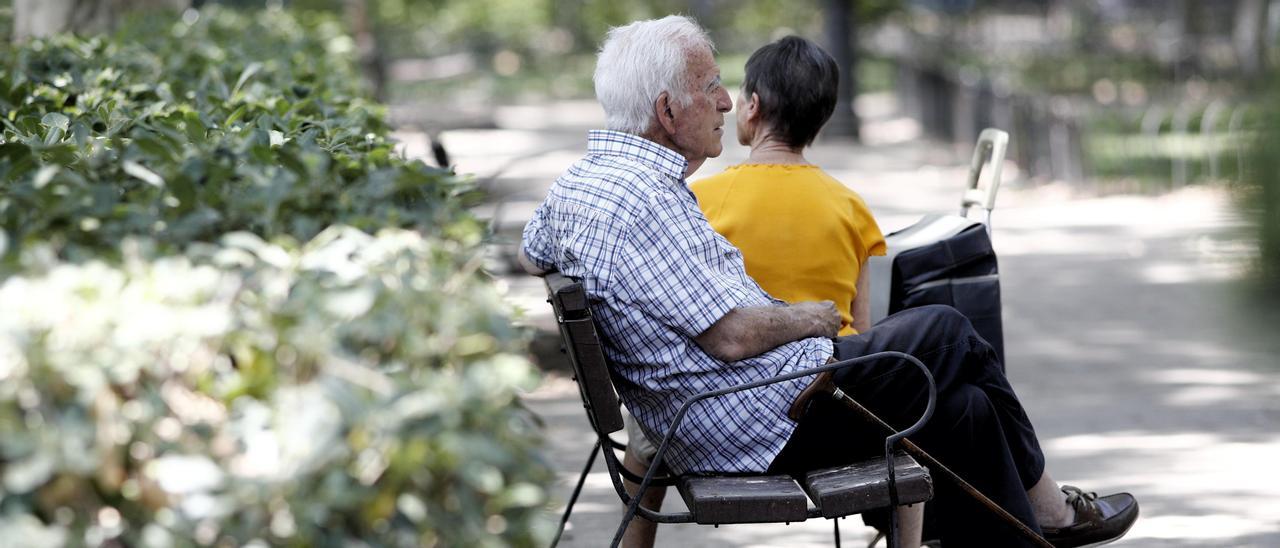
665	140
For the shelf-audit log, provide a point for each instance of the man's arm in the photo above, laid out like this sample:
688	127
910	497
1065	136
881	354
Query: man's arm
535	238
527	264
862	302
751	331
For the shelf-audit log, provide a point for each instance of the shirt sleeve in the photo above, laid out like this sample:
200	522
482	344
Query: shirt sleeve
868	230
536	240
671	267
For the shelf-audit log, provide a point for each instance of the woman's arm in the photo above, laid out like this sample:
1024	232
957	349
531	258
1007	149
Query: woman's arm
861	306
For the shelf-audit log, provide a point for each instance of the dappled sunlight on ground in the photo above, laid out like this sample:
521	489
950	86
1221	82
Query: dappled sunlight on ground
1209	530
1195	486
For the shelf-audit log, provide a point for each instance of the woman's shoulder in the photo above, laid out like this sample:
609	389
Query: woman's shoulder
836	186
804	179
712	180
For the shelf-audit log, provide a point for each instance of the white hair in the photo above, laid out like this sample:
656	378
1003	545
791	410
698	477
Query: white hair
639	61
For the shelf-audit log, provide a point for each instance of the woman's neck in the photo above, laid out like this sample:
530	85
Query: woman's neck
768	150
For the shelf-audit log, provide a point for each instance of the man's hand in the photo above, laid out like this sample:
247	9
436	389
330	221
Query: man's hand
747	332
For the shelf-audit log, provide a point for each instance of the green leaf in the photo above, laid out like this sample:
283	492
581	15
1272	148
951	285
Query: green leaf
81	134
141	172
14	152
154	146
57	124
56	120
22	160
194	127
43	176
245	75
235	115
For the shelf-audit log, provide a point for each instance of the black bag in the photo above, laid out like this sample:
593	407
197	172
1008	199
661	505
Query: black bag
942	259
958	271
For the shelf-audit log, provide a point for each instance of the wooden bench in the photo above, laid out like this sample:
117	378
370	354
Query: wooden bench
718	500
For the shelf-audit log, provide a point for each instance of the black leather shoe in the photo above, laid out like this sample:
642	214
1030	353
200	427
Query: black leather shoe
1099	520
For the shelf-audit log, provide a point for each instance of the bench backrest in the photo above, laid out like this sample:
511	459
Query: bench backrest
582	343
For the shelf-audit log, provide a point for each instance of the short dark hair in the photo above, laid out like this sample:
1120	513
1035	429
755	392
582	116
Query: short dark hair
798	83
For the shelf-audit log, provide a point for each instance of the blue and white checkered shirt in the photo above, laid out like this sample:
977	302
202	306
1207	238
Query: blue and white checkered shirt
623	221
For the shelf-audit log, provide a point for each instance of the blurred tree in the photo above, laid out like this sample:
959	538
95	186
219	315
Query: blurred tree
570	16
841	21
1260	194
35	18
841	31
449	38
372	59
1250	36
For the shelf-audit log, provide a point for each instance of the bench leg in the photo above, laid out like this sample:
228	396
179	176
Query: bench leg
582	480
837	522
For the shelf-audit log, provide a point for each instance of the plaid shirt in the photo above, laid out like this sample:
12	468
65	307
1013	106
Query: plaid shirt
622	221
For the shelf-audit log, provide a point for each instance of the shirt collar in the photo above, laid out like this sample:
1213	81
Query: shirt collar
649	153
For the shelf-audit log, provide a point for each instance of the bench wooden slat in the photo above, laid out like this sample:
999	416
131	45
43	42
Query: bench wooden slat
858	487
749	499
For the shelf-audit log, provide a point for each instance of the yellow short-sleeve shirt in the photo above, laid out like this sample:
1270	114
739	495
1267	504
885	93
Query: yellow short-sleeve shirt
803	234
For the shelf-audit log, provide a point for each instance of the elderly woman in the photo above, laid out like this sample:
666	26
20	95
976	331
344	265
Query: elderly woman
804	235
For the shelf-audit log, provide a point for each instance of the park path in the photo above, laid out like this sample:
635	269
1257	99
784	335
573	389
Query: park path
1129	337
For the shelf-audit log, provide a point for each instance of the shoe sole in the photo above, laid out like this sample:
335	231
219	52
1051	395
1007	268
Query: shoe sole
1112	539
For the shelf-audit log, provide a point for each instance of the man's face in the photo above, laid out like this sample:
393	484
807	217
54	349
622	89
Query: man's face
700	125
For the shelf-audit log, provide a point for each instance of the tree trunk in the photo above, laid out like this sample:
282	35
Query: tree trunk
704	12
1251	36
37	18
372	61
568	15
841	30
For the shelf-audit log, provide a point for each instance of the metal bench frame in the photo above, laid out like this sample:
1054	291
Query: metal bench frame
835	492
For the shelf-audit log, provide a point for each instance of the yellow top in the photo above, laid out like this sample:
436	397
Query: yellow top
803	234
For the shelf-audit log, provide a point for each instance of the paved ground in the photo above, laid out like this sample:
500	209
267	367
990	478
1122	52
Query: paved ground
1129	336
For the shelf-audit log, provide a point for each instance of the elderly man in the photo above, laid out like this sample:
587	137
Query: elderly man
679	316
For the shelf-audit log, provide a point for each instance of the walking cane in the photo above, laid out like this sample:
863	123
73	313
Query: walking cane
829	387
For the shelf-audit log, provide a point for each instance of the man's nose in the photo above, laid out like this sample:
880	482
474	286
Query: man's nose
724	103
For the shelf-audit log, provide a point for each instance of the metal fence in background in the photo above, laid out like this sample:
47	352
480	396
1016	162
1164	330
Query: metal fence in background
1075	140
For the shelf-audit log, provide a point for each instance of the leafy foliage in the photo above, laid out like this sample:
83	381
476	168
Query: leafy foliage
356	389
233	315
529	48
190	132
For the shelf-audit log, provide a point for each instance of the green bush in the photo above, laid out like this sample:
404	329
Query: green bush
356	389
233	316
190	131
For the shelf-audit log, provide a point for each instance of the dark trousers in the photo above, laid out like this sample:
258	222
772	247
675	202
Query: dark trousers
978	429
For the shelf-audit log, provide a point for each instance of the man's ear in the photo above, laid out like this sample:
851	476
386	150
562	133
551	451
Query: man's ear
662	110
